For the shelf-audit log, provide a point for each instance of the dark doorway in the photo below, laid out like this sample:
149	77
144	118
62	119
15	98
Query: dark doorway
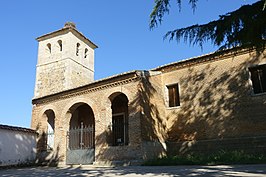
81	136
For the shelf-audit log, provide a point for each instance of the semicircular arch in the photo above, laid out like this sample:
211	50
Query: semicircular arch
47	108
111	95
72	105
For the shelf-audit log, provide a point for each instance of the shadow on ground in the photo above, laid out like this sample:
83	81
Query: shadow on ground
223	170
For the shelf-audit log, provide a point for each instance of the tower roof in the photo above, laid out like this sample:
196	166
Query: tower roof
69	27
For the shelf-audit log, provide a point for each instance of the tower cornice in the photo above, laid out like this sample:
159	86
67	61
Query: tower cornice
64	30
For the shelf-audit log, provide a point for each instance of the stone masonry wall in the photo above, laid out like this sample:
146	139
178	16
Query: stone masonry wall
101	105
63	68
50	78
153	122
217	101
217	107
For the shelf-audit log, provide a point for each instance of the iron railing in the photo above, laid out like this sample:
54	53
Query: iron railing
81	137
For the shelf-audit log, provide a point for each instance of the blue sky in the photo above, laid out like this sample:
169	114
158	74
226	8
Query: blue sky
120	28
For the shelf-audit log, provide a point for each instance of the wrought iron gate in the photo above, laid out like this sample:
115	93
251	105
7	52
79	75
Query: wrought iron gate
81	145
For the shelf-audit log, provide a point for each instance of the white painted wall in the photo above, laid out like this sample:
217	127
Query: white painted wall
17	147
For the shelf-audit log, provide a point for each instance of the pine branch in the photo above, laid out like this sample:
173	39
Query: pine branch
162	7
247	25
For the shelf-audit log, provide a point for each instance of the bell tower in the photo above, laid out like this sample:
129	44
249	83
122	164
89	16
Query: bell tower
65	61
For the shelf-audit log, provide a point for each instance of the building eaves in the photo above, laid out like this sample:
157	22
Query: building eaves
203	58
21	129
97	83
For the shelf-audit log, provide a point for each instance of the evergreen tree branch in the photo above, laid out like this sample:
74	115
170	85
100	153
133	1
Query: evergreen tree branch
162	7
247	25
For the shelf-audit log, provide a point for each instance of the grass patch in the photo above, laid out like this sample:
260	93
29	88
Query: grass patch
219	158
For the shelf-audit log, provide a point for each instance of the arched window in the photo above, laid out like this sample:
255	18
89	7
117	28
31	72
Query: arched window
60	45
86	53
48	138
77	49
119	120
49	47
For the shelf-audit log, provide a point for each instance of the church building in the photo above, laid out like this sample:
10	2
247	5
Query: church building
199	105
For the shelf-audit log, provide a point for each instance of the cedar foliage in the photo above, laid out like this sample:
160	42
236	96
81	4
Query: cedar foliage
244	26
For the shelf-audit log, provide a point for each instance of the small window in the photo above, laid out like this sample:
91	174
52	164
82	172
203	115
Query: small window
86	53
60	45
49	47
258	78
173	95
119	130
77	49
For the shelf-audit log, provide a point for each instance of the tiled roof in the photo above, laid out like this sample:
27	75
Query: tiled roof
13	128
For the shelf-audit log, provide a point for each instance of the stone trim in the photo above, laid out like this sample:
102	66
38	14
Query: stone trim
45	64
84	90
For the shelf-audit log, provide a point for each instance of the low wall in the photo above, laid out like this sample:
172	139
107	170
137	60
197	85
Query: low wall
17	145
252	145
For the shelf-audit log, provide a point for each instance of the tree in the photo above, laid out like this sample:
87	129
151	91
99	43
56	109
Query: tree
244	26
